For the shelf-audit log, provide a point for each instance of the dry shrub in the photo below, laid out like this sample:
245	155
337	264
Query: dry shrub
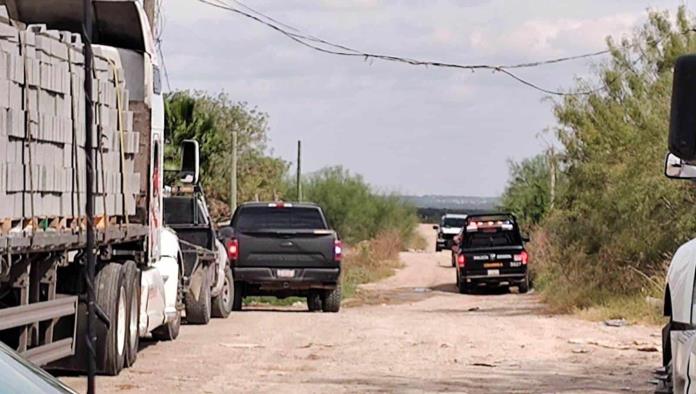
370	261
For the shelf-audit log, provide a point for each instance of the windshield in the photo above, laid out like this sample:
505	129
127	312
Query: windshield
454	222
18	376
271	218
483	239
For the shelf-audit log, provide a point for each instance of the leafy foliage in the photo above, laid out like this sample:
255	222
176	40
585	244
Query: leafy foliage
528	194
616	218
354	209
210	120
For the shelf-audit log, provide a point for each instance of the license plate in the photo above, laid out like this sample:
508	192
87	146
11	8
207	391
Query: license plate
286	273
496	264
493	272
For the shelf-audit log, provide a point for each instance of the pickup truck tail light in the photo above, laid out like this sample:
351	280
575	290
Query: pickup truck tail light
338	250
232	247
461	261
522	257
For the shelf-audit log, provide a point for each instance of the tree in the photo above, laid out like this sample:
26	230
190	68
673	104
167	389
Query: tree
528	192
210	120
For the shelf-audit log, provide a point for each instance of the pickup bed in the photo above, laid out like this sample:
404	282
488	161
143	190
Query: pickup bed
207	275
283	250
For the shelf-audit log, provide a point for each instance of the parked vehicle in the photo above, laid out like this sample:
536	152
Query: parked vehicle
450	225
19	376
491	252
282	249
679	334
42	236
208	280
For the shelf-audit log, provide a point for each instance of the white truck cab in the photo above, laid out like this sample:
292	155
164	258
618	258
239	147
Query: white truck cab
679	335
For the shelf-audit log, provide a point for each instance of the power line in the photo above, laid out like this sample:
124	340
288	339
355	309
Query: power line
341	50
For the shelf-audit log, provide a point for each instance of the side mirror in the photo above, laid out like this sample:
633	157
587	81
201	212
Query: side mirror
190	171
682	125
436	227
676	168
526	238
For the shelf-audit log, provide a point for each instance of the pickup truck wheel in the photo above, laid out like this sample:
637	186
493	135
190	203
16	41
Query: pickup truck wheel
132	280
523	287
454	260
314	302
331	301
222	304
238	296
111	296
168	331
198	310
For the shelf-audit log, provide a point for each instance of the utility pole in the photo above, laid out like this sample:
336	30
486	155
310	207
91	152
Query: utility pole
233	174
149	6
552	174
89	209
299	171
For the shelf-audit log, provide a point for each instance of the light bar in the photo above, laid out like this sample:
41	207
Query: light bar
475	226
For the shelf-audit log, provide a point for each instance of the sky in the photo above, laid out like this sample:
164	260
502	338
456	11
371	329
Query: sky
406	129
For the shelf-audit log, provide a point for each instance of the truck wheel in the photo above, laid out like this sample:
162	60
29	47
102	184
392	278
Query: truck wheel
523	287
132	279
111	297
331	302
222	304
238	296
314	302
198	311
168	331
454	260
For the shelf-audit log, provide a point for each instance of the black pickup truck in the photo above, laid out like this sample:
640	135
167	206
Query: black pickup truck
490	251
282	250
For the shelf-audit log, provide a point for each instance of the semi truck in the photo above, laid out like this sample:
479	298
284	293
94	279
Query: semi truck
139	284
678	373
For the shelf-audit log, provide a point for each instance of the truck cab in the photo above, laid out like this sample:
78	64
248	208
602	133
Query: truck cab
678	373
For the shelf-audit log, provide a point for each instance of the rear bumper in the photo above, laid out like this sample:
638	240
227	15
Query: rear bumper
303	278
503	277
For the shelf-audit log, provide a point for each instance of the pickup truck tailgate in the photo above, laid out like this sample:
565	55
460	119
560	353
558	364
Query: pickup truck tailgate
286	248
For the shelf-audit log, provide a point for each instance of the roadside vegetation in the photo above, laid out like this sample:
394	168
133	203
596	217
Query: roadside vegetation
210	120
602	238
374	226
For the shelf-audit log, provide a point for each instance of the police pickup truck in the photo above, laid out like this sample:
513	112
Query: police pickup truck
282	249
490	251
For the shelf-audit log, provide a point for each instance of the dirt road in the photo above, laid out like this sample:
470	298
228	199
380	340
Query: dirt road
415	334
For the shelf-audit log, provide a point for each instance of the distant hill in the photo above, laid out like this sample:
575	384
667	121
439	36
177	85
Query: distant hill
432	207
453	202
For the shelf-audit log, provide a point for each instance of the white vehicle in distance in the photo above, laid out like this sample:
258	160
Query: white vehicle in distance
450	225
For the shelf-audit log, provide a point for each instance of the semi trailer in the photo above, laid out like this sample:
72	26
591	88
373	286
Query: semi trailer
139	284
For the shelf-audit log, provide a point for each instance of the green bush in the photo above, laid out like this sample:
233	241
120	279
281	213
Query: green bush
616	219
354	209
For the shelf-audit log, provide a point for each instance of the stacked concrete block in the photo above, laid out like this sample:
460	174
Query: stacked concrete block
42	128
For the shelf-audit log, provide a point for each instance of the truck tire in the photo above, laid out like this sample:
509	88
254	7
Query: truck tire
454	260
314	302
111	296
132	279
198	310
523	287
331	301
238	296
222	304
168	331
